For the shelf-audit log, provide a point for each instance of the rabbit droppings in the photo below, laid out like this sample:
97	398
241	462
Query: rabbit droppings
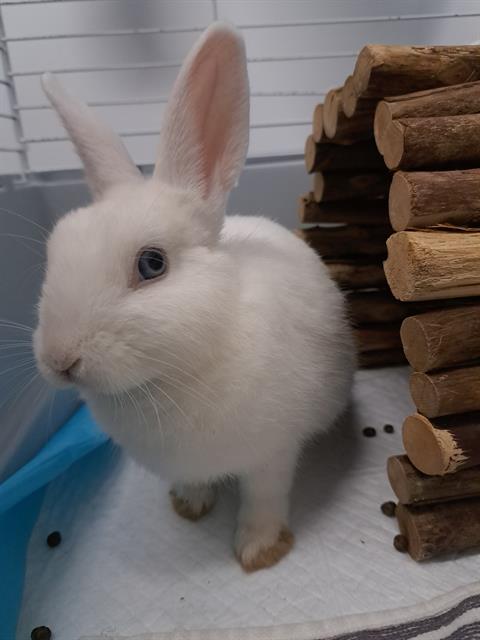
207	346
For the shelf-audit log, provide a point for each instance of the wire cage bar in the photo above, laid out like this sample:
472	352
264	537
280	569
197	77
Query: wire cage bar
28	113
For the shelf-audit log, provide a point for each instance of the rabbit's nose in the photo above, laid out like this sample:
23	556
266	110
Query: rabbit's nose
68	371
65	366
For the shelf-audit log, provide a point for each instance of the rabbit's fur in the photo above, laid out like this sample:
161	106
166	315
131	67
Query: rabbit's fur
242	351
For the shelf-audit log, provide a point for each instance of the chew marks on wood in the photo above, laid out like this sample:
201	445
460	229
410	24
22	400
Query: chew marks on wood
442	445
427	265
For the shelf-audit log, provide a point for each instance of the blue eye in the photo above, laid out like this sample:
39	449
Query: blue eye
152	263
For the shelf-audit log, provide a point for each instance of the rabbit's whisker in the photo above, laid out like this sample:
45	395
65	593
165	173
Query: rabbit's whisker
22	217
175	404
25	364
180	370
6	323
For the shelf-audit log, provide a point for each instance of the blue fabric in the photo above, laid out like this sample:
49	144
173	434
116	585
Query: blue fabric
20	501
74	440
15	528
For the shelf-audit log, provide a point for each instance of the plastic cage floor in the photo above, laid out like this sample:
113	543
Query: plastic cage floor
129	565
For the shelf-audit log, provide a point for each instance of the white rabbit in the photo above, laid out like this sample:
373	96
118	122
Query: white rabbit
206	346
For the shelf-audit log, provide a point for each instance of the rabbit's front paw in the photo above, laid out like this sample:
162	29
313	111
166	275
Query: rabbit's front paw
192	501
262	547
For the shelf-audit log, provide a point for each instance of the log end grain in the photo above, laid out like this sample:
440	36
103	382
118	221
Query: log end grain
397	476
393	144
415	344
349	97
425	394
318	132
381	122
399	276
363	69
310	154
331	108
400	202
427	448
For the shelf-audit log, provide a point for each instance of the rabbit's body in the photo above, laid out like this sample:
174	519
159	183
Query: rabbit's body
206	346
277	369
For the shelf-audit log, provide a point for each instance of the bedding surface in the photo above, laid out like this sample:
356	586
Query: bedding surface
128	565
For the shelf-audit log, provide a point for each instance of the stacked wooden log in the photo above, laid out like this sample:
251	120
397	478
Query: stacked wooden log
422	105
345	218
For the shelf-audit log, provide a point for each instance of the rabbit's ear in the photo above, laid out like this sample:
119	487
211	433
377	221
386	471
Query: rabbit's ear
103	154
204	137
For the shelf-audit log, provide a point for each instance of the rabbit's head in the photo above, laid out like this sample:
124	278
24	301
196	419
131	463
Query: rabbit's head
139	277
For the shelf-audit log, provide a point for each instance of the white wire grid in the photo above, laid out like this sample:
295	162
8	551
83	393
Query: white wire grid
25	141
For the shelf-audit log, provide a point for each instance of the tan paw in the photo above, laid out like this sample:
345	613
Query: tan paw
193	507
253	554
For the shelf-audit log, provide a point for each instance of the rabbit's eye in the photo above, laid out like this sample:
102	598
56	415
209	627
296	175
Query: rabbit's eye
152	263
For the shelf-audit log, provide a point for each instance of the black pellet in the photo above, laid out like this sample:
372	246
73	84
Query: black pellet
41	633
369	432
388	508
400	543
54	539
388	428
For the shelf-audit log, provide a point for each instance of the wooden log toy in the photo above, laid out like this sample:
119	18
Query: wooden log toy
422	104
426	198
444	101
443	338
377	337
360	212
382	70
331	106
344	130
443	445
446	392
353	103
440	529
370	307
343	185
382	358
427	265
381	306
318	133
416	488
353	275
334	157
414	143
346	240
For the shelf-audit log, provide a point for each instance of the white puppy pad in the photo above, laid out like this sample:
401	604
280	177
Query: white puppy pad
129	565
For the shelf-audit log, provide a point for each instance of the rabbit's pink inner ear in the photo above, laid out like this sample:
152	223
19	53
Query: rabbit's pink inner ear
205	133
215	111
